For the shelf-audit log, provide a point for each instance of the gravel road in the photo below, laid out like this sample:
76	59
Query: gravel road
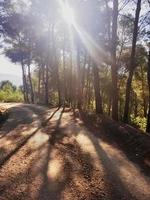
49	154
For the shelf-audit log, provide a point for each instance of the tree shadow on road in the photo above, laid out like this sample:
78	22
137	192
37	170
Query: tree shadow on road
77	177
23	141
114	166
62	170
76	168
110	134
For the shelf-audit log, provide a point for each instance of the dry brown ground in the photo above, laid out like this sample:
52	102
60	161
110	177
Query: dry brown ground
62	159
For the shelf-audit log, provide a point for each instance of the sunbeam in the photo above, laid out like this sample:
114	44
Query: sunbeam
94	49
67	13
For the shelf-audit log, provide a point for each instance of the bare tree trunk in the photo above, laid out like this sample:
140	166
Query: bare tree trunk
43	83
148	77
109	105
58	85
64	70
71	80
132	63
31	85
47	85
25	91
47	66
98	99
79	95
88	86
39	86
83	73
114	68
24	87
55	66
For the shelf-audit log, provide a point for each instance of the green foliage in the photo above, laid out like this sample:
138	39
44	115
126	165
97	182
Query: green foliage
9	93
139	122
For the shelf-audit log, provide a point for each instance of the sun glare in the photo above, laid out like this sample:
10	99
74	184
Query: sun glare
68	14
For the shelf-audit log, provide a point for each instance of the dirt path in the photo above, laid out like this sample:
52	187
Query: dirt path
62	159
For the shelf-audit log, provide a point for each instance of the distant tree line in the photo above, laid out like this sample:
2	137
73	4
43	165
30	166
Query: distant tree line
10	93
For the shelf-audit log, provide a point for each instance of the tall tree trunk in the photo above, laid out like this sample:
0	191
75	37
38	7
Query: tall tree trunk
79	87
71	80
39	86
83	74
25	90
148	77
132	63
47	65
55	65
88	78
58	85
109	105
64	70
31	85
98	99
43	83
47	85
114	68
